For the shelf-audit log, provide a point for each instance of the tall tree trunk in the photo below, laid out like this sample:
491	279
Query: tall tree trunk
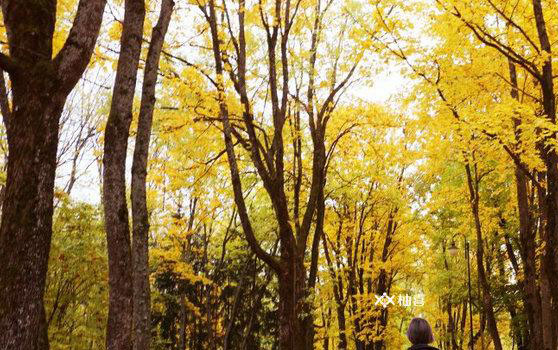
517	333
527	239
119	325
337	282
383	286
488	304
451	323
291	303
549	266
342	324
140	216
40	86
182	330
233	315
318	234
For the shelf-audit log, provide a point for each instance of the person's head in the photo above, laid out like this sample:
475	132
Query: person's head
419	331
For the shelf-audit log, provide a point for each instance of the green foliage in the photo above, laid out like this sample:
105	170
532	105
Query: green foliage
76	299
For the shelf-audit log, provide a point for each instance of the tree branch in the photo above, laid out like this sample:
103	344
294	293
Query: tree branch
73	58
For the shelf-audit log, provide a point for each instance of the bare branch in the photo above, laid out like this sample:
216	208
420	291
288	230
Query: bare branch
511	22
74	56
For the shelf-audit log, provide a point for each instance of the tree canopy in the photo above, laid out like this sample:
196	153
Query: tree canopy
278	174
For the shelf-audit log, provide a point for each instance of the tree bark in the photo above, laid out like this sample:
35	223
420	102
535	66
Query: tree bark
291	303
337	282
383	285
549	265
318	236
527	239
119	325
488	304
140	216
40	86
182	330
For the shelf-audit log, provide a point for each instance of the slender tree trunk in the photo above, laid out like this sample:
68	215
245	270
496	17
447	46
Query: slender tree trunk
233	315
337	282
383	285
140	215
40	86
488	303
516	329
119	325
249	338
354	304
327	323
319	154
182	330
451	323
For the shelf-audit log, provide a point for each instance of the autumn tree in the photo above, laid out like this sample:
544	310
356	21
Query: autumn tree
40	80
275	195
129	305
490	72
119	326
520	36
140	214
266	144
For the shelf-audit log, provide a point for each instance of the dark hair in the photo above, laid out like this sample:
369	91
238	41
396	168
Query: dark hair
419	331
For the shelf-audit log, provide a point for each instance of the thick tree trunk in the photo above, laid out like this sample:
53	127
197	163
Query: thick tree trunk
119	325
549	266
527	239
546	313
40	85
291	304
27	216
140	216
